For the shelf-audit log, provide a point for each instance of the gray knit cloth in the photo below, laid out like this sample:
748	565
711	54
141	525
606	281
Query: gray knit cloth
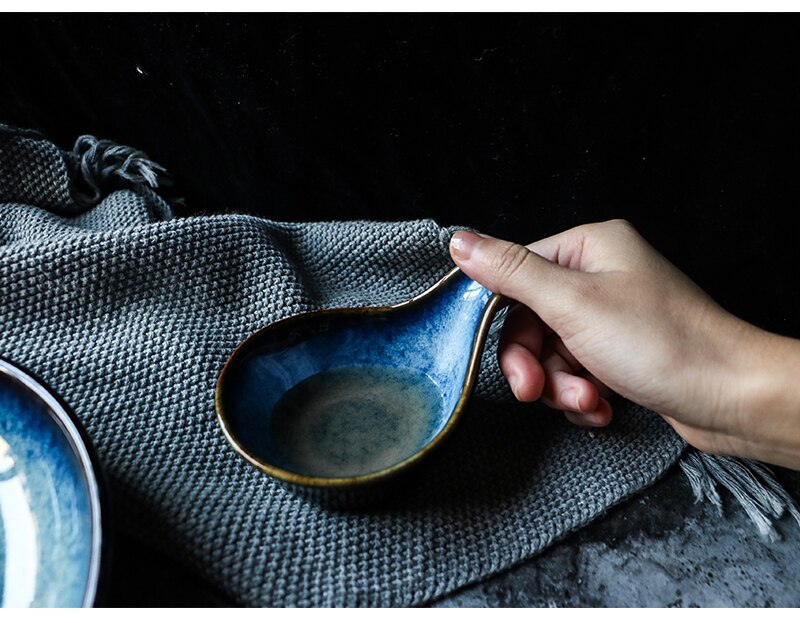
129	315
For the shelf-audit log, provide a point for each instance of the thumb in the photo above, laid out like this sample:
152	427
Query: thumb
516	272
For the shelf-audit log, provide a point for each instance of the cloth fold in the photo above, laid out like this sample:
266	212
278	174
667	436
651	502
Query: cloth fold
130	316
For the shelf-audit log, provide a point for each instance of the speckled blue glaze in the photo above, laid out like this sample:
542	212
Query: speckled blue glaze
432	337
49	507
354	420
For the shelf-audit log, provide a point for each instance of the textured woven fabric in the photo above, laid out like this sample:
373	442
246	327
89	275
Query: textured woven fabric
131	317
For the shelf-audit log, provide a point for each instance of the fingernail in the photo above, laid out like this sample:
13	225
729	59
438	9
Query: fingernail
593	419
583	419
571	399
462	244
512	383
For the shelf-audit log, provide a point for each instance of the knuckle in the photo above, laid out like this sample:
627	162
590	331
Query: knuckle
607	236
623	227
509	260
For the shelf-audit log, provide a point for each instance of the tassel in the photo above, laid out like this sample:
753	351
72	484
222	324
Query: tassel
99	160
751	483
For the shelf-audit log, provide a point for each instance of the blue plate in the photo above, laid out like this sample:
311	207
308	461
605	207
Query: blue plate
50	520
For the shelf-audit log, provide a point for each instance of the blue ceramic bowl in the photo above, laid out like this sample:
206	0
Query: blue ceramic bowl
50	516
346	398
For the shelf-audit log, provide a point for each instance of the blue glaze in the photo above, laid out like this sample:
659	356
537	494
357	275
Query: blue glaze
49	511
433	338
354	420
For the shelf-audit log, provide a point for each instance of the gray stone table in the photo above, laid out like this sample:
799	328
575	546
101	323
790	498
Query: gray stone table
658	549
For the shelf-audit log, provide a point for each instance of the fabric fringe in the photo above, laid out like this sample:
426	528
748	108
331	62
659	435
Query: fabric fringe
751	483
98	160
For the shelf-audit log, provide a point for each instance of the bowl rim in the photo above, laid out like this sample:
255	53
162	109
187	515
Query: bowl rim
84	451
294	478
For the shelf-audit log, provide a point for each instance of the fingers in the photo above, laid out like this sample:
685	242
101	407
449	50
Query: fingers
554	376
598	418
578	397
514	271
566	248
602	388
518	352
523	371
554	278
506	268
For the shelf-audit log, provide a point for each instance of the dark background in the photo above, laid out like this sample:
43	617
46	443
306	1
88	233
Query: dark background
519	125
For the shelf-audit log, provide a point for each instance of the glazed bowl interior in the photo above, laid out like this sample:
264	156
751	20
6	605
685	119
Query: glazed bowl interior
424	354
50	530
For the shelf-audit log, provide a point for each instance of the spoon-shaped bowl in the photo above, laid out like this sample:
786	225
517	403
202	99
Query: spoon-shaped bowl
338	401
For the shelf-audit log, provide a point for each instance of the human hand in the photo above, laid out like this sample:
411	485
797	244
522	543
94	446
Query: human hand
601	311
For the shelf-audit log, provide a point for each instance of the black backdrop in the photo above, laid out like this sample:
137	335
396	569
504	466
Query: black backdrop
518	125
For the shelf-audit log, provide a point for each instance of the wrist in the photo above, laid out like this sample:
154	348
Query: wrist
763	390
